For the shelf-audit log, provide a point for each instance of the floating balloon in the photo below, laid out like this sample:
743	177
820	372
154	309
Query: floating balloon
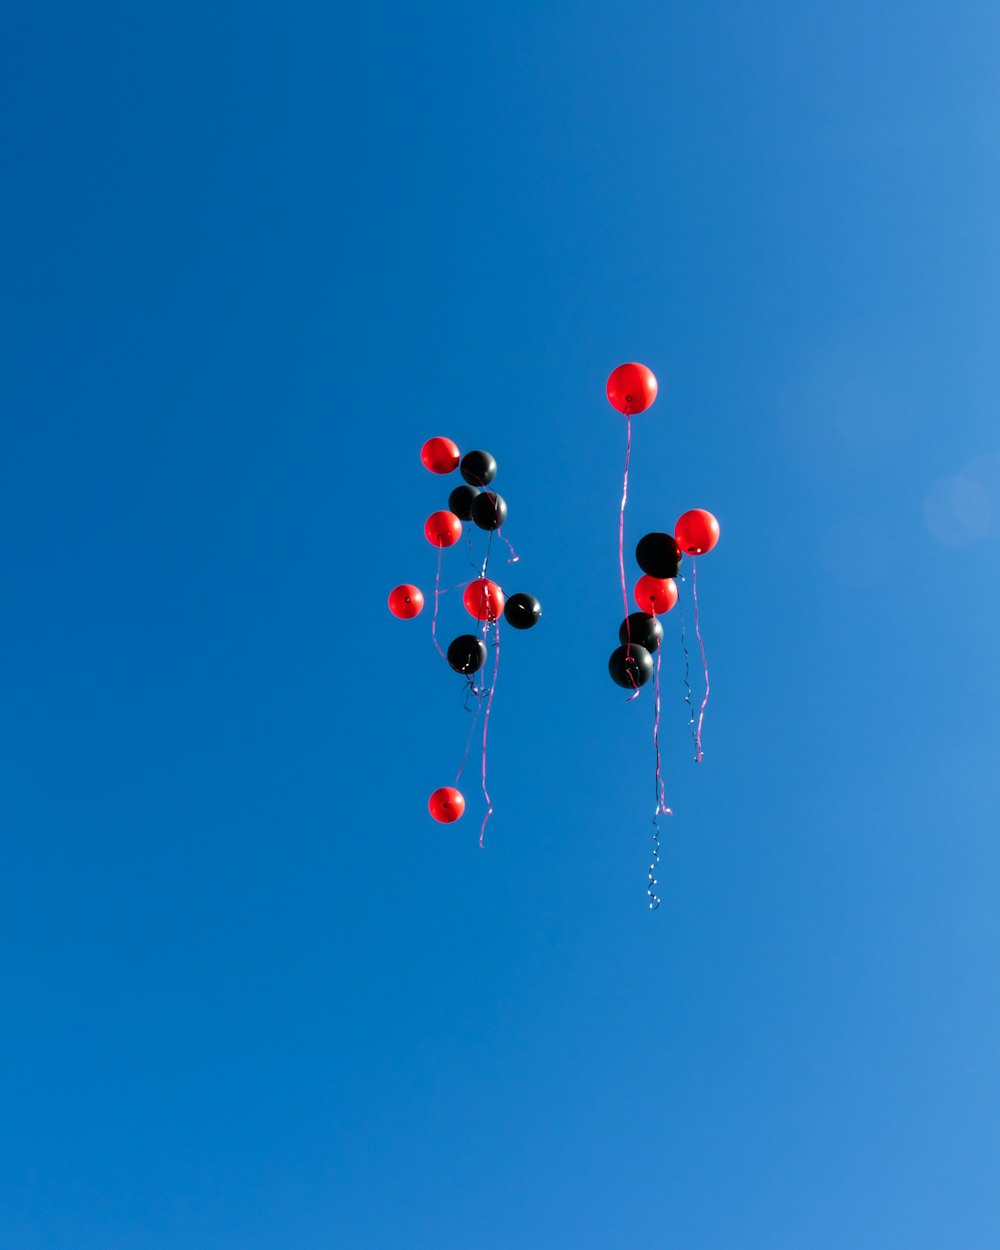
522	611
442	529
446	804
658	555
467	653
631	388
406	602
483	599
630	666
478	468
470	654
696	532
643	628
489	510
440	455
460	501
656	594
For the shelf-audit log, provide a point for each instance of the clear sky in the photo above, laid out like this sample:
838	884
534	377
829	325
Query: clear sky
252	996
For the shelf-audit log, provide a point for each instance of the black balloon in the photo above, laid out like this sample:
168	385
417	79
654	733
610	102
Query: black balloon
643	628
489	510
522	611
467	654
630	666
658	555
460	501
478	468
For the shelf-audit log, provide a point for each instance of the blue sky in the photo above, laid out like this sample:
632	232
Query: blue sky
252	996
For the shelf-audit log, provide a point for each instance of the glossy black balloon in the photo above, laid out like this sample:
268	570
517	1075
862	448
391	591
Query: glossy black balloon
489	510
658	555
522	611
460	501
467	654
478	468
643	628
630	666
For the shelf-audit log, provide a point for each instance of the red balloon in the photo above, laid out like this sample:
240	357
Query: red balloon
406	601
631	388
483	599
442	529
655	594
446	804
440	455
696	532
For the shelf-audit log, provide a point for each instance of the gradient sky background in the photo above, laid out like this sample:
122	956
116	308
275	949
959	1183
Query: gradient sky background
252	996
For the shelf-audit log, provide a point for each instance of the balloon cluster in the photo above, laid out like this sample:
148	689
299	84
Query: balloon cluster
631	389
483	598
658	555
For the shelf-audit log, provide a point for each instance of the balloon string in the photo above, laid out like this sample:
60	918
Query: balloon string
437	596
701	715
514	557
472	688
654	863
621	560
486	558
661	797
661	790
486	726
621	528
687	675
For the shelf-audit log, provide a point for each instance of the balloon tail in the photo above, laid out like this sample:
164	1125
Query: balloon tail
486	726
654	898
697	630
437	596
513	557
687	677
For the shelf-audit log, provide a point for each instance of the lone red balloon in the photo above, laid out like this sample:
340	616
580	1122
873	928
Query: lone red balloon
406	601
655	594
440	455
446	804
442	529
631	388
483	599
696	532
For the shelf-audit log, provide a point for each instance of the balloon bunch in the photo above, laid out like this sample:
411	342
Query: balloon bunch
484	600
631	389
